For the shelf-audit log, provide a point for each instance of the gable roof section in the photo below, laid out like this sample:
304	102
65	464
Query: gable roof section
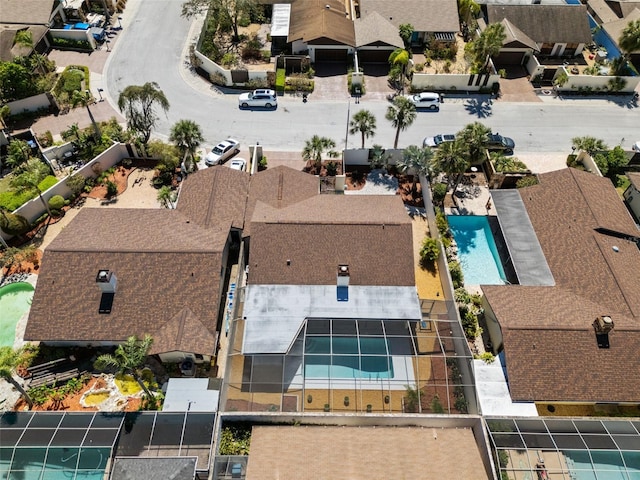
603	10
215	196
29	12
516	38
375	29
545	23
162	263
278	187
424	15
8	49
371	234
185	332
311	22
547	331
634	178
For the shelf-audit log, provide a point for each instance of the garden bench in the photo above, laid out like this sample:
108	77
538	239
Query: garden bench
53	372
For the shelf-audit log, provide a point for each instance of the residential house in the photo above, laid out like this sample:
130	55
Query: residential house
376	39
614	31
35	16
321	28
632	193
547	30
566	339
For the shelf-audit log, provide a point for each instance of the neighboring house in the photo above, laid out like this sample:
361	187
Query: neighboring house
376	38
556	31
559	328
35	16
322	28
163	278
615	28
437	18
632	193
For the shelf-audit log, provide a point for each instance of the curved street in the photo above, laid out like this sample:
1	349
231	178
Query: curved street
152	48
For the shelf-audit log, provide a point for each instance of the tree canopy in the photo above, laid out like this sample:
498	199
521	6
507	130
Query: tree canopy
138	103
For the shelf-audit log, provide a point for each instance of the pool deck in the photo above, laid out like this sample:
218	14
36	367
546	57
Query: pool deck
472	197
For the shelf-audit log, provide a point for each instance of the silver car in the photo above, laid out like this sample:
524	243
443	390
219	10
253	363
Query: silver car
222	151
258	98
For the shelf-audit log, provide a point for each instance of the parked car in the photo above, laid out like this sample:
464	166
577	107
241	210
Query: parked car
636	147
221	152
238	164
428	100
435	141
497	143
258	98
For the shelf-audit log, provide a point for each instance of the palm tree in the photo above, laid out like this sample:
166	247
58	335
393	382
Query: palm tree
364	122
451	158
591	145
85	99
488	44
468	11
9	360
29	179
629	40
400	57
138	103
475	137
315	147
129	357
401	115
417	159
187	136
502	163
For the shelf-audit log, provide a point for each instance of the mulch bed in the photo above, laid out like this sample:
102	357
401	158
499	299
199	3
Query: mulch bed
119	177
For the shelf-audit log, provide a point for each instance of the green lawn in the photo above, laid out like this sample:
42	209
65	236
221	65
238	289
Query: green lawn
4	183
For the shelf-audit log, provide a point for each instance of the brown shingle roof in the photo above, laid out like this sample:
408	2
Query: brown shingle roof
515	37
279	187
371	234
363	453
313	23
547	331
424	15
374	29
32	12
545	23
162	263
215	196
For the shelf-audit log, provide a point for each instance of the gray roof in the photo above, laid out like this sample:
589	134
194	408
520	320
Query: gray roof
615	28
602	10
190	395
275	313
424	15
516	37
30	12
280	19
174	468
525	251
374	29
545	23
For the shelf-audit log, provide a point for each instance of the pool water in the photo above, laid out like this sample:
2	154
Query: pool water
364	358
603	465
55	463
477	250
15	301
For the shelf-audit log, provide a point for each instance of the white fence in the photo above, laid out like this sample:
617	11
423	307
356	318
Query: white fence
594	83
29	104
73	34
212	67
453	81
360	156
34	208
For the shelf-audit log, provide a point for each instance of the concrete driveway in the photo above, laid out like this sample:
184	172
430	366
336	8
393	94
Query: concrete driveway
330	81
516	87
376	81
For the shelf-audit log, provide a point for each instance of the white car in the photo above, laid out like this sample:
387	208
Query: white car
258	98
428	100
221	152
435	141
636	147
238	164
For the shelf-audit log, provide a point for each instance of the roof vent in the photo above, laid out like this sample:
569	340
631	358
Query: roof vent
602	326
327	6
343	275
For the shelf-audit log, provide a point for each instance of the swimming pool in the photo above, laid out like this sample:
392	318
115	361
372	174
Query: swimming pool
15	301
372	363
56	463
603	464
477	250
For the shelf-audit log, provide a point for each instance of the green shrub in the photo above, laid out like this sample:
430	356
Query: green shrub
462	296
470	325
486	357
56	202
48	182
456	274
436	405
112	188
11	200
281	78
429	252
527	181
76	184
442	223
69	44
439	191
72	80
14	224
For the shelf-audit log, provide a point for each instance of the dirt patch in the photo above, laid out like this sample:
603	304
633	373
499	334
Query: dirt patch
410	192
25	266
119	177
321	170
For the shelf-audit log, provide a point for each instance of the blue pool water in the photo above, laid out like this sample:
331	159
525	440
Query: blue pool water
347	357
477	250
601	37
606	465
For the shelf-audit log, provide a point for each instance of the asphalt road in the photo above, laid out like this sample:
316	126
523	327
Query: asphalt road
152	48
